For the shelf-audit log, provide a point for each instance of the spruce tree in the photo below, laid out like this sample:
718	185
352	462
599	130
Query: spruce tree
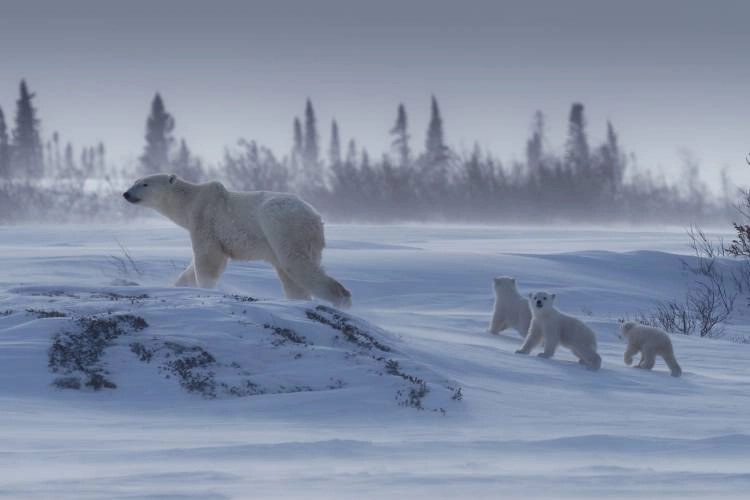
311	154
70	162
535	146
27	146
611	161
577	156
298	140
58	159
434	169
435	145
159	127
351	153
182	159
334	152
101	156
4	148
48	156
186	165
297	147
400	143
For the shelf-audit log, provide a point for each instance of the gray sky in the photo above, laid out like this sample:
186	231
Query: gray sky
669	74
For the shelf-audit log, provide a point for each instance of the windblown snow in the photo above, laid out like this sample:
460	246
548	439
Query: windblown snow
113	384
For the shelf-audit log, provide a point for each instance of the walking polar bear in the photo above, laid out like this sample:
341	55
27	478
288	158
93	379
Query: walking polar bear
511	310
650	342
278	228
559	328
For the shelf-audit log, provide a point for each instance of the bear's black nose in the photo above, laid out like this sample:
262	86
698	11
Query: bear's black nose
126	195
539	303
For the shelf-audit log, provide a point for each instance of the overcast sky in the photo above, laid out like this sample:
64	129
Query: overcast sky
669	74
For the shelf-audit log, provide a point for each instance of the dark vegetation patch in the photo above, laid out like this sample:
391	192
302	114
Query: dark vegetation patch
114	296
285	335
242	298
414	395
55	293
194	368
71	382
244	389
410	396
7	312
458	395
144	354
80	351
343	323
42	314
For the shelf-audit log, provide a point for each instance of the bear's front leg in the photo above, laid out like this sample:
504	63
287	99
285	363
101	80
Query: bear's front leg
210	262
551	339
532	338
630	351
187	278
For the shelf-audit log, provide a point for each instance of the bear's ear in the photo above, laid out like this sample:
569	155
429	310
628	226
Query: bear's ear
531	295
513	280
172	178
552	297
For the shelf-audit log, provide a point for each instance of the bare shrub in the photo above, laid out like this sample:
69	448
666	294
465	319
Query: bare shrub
125	266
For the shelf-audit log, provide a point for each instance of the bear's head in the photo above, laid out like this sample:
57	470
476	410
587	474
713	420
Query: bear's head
625	329
504	283
150	191
541	301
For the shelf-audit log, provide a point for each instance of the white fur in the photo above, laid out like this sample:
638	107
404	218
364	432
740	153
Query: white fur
278	228
511	309
559	328
650	342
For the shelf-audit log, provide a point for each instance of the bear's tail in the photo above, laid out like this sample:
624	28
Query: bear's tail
671	362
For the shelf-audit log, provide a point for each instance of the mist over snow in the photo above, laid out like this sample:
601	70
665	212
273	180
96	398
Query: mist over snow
490	111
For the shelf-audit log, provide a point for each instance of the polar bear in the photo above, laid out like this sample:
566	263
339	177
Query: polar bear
511	309
650	342
278	228
559	328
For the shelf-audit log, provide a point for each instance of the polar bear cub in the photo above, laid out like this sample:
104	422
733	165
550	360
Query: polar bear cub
650	342
511	309
559	328
278	228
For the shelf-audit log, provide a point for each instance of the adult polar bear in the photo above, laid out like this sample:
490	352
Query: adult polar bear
278	228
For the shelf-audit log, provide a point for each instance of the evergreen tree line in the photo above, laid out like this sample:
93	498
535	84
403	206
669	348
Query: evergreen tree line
436	183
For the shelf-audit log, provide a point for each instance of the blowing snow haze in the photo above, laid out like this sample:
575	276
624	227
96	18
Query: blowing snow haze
671	76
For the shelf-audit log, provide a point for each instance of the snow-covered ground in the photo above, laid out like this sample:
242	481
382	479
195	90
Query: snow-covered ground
220	396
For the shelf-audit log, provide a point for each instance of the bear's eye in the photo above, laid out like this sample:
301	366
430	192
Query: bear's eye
145	185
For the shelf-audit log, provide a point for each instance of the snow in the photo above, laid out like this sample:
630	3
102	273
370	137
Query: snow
327	416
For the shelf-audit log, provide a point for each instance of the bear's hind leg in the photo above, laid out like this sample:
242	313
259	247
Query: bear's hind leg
671	362
588	357
497	324
316	281
292	289
648	358
302	265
